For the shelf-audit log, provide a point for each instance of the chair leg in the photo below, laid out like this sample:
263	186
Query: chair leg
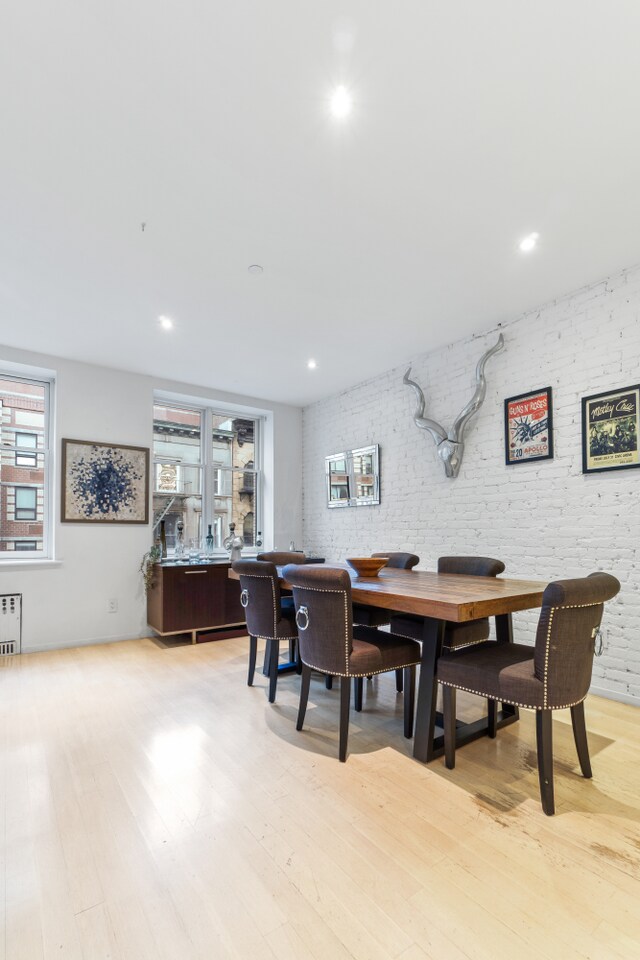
328	682
345	697
304	695
399	681
267	659
544	741
449	721
292	650
492	718
357	693
580	737
298	659
273	669
409	684
253	653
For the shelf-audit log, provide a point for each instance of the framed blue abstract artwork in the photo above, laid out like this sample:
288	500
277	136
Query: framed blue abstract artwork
104	483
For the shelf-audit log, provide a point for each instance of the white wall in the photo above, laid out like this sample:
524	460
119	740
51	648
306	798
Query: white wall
66	604
546	520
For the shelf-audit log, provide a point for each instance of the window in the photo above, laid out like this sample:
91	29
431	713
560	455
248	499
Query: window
205	474
24	466
26	503
25	442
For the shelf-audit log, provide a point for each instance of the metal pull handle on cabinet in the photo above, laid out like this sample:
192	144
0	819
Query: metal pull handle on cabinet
193	573
302	612
244	598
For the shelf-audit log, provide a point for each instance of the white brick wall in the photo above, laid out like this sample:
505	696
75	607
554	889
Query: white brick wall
545	520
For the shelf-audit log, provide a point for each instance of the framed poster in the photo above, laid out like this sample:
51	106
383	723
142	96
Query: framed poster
104	483
528	427
610	430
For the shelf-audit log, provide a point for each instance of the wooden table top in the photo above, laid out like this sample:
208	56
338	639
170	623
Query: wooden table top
444	596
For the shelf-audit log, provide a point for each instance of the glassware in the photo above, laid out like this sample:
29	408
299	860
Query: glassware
194	550
209	544
179	549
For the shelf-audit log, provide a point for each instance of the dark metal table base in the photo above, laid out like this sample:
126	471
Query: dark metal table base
428	742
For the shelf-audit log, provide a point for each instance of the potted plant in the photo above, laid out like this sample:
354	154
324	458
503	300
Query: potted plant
151	557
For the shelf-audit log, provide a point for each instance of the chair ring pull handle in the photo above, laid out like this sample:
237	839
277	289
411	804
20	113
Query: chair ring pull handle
244	598
302	612
599	643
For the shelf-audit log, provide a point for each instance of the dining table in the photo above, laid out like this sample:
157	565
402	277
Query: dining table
438	598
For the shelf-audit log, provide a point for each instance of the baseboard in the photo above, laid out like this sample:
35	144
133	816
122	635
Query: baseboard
614	695
92	641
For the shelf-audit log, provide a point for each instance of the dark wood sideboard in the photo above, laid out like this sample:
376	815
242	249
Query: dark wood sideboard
197	598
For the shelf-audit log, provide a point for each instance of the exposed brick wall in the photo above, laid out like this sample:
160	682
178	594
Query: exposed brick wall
546	520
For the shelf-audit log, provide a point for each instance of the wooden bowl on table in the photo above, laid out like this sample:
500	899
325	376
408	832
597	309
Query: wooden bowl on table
367	566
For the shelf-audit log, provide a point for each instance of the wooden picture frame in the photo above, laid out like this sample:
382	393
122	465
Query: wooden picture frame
104	483
528	427
611	430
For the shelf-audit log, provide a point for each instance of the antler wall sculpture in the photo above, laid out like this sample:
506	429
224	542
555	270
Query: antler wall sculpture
451	443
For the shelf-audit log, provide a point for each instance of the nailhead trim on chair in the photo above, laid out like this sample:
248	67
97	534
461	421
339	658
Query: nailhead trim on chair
369	673
346	619
463	646
516	703
570	606
262	576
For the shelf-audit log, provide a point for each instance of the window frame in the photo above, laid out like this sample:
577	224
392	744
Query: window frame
209	467
46	380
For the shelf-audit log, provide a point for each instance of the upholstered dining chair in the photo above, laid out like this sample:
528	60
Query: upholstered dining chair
329	642
267	618
552	675
280	557
456	635
376	616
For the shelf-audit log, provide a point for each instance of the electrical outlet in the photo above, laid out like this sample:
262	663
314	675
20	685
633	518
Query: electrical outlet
112	606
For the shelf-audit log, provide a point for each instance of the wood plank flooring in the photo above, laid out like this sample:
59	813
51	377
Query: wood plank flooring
154	806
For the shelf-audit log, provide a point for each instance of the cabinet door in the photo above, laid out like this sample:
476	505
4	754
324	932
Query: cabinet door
193	597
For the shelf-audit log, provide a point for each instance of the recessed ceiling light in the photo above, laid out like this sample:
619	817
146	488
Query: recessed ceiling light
165	322
341	103
255	268
312	364
529	243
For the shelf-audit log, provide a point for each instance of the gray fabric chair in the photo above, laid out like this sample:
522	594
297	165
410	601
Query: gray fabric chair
552	675
375	616
456	635
329	642
280	557
267	618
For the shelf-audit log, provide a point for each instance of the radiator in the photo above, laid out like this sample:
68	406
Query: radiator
10	623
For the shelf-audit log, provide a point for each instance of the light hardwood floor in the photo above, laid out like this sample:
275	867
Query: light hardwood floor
153	806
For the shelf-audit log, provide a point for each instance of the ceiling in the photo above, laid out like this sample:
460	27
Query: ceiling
381	236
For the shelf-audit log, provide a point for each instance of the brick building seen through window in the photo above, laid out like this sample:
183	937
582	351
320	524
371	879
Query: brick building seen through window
22	464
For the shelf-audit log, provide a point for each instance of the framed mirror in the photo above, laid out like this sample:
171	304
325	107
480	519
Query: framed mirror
353	477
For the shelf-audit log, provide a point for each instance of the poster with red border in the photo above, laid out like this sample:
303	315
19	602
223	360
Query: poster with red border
528	427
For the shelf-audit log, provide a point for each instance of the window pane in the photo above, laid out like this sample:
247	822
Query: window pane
176	433
233	441
25	503
30	442
235	501
22	465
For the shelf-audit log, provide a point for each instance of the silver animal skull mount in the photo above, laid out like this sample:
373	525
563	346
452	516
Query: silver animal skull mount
451	443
